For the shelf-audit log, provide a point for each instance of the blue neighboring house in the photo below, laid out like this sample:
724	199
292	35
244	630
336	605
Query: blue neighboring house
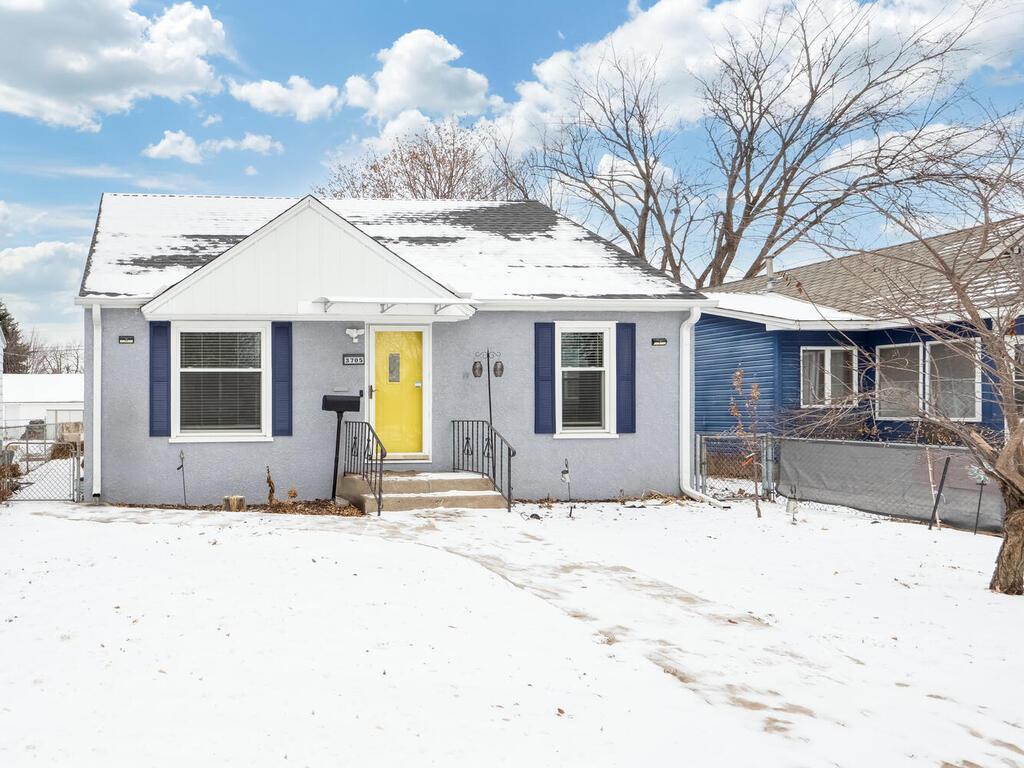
809	356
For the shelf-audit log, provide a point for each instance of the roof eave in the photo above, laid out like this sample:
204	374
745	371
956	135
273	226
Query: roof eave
593	303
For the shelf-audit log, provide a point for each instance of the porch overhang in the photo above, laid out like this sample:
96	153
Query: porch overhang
428	308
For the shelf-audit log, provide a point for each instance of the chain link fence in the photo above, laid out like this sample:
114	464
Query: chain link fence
896	479
736	467
38	463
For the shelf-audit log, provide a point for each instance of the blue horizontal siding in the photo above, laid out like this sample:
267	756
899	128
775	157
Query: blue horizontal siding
772	359
789	358
721	346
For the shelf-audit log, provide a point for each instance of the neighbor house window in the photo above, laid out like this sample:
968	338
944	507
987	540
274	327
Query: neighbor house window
585	374
828	376
954	380
899	381
220	378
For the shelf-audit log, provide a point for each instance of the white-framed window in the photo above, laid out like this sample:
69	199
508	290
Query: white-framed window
585	385
954	379
828	376
220	381
898	381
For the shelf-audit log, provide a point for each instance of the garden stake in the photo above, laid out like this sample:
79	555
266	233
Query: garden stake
935	507
181	468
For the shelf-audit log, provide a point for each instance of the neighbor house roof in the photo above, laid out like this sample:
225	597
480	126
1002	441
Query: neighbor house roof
44	388
864	285
487	249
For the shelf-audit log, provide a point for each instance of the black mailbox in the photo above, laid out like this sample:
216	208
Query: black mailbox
339	404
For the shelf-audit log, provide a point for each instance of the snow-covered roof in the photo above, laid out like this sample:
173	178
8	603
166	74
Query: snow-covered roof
489	249
776	308
44	388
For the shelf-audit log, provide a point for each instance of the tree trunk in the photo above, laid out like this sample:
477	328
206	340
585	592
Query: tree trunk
1008	577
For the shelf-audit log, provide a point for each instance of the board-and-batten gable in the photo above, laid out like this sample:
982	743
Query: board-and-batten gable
307	252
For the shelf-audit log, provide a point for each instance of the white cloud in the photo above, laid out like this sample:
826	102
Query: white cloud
416	74
406	123
211	120
42	269
298	98
169	182
175	144
69	63
259	143
179	145
683	36
251	171
17	218
39	282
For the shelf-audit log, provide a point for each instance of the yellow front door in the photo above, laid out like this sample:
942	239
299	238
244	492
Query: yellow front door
398	390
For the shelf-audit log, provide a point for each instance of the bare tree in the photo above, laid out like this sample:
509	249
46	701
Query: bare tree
611	152
445	160
809	112
963	296
57	358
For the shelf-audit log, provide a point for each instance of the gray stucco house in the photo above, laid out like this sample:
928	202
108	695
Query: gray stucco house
215	325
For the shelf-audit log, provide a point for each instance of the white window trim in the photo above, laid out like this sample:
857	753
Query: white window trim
610	428
177	435
828	374
977	379
921	376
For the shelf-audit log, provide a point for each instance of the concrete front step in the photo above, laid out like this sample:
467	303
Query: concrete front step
404	502
403	491
435	482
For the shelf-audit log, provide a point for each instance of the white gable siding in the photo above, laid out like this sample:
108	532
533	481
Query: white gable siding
306	253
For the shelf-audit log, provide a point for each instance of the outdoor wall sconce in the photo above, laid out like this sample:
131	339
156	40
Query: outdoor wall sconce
478	370
659	342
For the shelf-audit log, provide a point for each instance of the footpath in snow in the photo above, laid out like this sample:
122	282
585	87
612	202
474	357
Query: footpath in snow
663	635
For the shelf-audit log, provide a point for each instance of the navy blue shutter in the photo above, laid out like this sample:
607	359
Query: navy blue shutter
544	378
625	377
281	377
160	379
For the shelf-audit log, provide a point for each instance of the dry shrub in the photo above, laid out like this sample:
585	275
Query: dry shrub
61	451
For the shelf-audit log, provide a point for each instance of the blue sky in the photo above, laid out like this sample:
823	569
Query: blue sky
112	95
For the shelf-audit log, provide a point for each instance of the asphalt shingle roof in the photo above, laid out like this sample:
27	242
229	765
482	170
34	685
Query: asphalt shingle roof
489	249
869	283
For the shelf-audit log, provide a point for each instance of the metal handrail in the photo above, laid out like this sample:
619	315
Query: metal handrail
478	447
364	456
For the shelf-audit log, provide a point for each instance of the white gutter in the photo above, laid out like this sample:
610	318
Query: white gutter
97	400
686	419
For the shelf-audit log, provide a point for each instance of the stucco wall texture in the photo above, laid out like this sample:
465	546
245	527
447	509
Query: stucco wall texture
140	469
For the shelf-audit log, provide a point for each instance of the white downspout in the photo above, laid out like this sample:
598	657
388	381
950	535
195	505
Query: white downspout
686	419
97	400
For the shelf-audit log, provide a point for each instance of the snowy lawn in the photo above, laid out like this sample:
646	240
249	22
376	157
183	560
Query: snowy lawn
664	635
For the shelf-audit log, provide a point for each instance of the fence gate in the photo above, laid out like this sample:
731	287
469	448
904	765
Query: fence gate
735	467
34	467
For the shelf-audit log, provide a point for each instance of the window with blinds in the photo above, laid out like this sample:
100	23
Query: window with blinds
583	373
221	381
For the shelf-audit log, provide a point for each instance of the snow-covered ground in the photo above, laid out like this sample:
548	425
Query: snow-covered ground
664	635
